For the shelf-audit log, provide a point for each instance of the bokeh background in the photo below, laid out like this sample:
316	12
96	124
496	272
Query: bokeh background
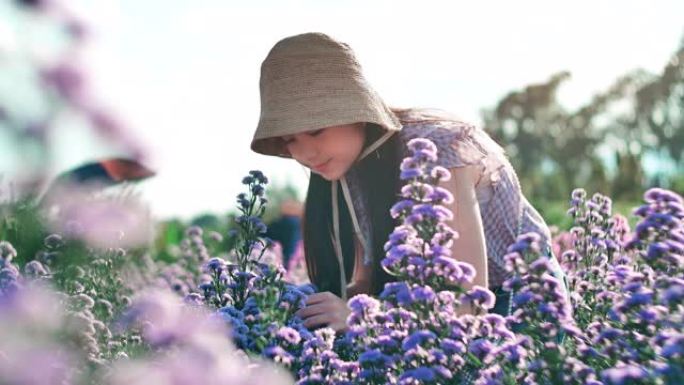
124	139
581	94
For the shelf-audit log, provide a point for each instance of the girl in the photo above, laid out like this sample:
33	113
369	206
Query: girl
317	108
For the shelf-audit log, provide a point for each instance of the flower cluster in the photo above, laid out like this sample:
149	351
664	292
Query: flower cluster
9	273
248	289
541	318
419	250
418	331
621	323
43	343
190	347
629	300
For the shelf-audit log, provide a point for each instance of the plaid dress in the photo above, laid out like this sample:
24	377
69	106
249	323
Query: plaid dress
505	212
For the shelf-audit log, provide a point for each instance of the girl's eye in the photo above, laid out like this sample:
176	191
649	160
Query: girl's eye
289	139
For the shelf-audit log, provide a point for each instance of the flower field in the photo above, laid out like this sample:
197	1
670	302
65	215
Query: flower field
93	291
95	312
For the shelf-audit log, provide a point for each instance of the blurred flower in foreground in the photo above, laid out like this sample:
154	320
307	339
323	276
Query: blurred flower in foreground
78	207
198	350
31	352
98	219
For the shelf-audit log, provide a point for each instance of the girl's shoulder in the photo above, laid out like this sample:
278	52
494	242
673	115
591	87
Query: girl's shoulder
458	142
426	120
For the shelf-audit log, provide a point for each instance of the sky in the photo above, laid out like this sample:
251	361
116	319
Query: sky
184	75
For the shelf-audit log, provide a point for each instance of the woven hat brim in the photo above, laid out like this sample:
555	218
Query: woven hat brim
267	136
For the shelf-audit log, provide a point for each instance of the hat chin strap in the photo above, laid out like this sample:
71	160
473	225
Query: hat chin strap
337	243
376	144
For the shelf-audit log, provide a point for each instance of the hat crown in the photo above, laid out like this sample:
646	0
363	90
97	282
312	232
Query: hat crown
311	81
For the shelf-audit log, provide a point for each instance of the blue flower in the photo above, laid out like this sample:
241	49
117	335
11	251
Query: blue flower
401	208
419	337
363	303
278	354
232	312
481	347
420	374
440	174
424	294
399	291
624	375
481	296
419	144
452	346
522	298
373	357
673	295
289	335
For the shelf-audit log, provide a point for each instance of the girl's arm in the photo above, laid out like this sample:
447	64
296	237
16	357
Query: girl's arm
470	246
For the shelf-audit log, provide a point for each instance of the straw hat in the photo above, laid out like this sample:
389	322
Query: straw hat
311	81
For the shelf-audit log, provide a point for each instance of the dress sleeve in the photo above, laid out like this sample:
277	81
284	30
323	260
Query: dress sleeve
461	144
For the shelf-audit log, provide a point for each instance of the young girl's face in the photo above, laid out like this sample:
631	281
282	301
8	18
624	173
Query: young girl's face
328	151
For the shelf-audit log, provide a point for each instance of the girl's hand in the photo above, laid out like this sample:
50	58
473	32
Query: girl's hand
325	309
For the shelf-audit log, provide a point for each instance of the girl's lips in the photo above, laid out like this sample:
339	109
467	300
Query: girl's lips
321	167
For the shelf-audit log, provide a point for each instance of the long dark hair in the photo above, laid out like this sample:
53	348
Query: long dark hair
379	178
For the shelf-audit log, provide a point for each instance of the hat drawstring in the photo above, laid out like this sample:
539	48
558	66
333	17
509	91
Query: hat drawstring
357	228
336	241
352	212
375	145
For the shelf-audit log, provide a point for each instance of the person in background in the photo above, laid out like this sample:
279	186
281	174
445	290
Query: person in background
287	229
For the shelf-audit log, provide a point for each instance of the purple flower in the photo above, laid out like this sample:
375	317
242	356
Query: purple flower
278	354
674	347
289	335
409	164
540	266
401	208
658	194
657	250
258	176
7	252
623	375
35	269
673	295
420	337
420	144
216	265
579	194
424	294
258	190
373	357
363	303
417	190
410	174
440	174
452	346
522	298
432	212
481	297
480	347
66	79
441	195
193	299
425	155
53	241
398	291
421	374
